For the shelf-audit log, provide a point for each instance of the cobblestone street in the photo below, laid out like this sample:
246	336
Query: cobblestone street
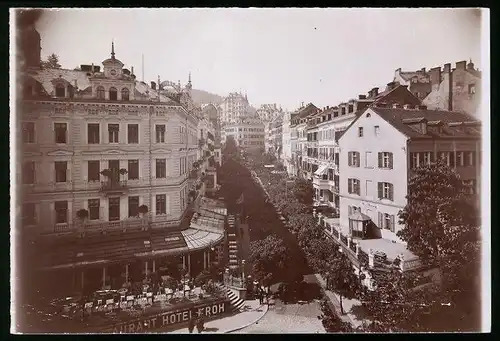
290	318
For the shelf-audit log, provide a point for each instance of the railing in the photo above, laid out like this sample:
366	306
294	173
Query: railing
343	239
113	185
363	257
352	246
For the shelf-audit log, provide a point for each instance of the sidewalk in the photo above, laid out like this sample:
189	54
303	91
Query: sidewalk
253	312
352	308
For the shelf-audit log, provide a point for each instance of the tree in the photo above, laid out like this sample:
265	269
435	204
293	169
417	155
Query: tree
342	278
331	322
304	191
270	258
231	150
441	227
52	62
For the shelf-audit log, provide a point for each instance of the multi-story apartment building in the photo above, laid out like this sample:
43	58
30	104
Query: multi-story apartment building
212	113
287	143
249	134
268	112
449	89
104	154
234	108
324	129
457	89
299	136
377	154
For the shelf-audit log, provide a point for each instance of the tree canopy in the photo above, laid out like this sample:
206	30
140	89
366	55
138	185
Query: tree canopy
52	62
269	257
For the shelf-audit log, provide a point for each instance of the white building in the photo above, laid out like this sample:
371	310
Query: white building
287	142
234	108
378	152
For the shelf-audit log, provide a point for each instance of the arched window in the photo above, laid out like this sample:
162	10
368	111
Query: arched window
100	92
60	90
113	94
125	94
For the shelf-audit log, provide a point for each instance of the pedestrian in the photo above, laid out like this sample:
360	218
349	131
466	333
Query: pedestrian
191	324
259	295
199	324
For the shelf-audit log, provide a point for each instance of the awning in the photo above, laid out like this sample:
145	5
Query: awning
321	170
198	239
358	216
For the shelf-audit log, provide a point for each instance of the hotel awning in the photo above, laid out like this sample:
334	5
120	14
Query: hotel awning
321	170
199	239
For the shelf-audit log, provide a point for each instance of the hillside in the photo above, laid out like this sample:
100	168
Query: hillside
205	97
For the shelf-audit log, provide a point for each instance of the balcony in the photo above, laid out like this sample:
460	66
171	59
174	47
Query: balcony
110	187
321	183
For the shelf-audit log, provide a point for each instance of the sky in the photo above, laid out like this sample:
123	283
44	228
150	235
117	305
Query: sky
283	56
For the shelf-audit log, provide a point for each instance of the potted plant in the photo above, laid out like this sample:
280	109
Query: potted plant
143	209
123	171
82	214
106	172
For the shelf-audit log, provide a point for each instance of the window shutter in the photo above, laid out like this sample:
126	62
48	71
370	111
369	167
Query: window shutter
380	190
349	209
379	160
380	220
390	161
349	186
392	222
358	187
349	159
358	159
391	192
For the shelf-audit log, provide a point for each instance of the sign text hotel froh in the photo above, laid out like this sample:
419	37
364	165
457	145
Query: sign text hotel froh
152	322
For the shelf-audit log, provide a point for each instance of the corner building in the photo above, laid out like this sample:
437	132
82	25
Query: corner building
106	185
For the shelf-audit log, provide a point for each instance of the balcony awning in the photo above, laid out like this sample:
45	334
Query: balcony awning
321	170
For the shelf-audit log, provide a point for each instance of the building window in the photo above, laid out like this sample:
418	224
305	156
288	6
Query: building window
94	208
469	186
61	168
386	221
29	172
414	160
60	130
426	158
61	208
377	130
160	133
125	94
29	214
385	160
114	209
133	169
360	131
133	206
133	133
472	89
385	190
28	132
459	159
342	110
368	160
114	132
93	133
353	159
113	94
93	170
60	90
353	186
470	159
161	204
445	157
100	92
161	169
351	108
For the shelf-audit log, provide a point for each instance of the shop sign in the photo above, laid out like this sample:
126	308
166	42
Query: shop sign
170	318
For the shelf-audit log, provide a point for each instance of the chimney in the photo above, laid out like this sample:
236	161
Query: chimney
396	105
374	92
461	65
153	85
422	107
470	66
362	96
423	70
424	127
435	77
447	68
391	86
327	107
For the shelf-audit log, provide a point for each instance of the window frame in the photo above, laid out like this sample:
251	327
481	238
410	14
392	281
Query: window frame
57	126
136	141
91	208
29	136
112	132
95	162
98	135
125	93
56	163
158	163
160	134
57	87
60	209
135	208
114	91
159	209
100	92
129	163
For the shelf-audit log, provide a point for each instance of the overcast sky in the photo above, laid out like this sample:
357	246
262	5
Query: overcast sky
283	56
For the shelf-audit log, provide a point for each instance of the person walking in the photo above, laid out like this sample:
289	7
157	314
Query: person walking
199	324
191	324
259	295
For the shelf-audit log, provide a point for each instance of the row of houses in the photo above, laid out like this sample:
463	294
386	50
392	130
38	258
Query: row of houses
360	153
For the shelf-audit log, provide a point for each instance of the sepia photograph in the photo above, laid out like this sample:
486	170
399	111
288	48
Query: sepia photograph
249	170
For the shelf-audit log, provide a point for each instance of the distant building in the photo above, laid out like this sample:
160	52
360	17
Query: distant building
274	137
457	89
268	112
249	134
234	108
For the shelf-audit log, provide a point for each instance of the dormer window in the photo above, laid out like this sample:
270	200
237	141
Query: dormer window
125	94
113	94
60	90
100	92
